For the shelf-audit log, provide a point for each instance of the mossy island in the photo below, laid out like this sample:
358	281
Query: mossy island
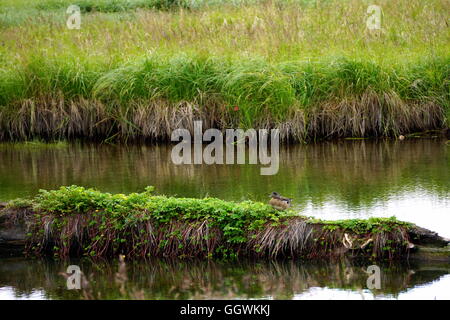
76	221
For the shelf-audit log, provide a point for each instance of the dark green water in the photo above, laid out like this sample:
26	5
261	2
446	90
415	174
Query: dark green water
348	179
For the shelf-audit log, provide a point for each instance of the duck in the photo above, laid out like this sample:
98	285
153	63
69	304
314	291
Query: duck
279	202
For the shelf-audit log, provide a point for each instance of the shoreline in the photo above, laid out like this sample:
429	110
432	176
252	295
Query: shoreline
43	122
305	101
442	134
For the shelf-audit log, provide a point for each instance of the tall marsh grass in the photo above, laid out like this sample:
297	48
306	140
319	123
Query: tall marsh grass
310	68
151	97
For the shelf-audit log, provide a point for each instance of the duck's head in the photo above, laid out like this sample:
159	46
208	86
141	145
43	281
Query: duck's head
274	195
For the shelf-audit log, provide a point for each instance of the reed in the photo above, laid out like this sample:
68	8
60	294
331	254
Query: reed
309	68
151	98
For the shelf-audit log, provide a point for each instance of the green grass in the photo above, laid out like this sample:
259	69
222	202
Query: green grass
35	145
279	61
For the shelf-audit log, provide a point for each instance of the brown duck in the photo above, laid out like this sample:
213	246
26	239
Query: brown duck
279	202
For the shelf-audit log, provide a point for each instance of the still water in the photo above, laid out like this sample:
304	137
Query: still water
347	179
187	279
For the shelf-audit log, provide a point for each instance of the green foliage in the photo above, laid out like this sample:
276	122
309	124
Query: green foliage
111	6
364	226
144	224
20	203
234	219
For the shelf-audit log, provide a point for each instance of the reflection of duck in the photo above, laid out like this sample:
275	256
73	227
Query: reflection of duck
279	202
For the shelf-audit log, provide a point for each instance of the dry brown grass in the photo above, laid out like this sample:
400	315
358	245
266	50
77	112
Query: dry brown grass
79	234
365	116
374	115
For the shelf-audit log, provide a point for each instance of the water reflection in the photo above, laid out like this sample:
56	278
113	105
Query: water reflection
193	279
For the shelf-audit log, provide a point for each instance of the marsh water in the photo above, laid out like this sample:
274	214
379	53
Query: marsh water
243	279
334	180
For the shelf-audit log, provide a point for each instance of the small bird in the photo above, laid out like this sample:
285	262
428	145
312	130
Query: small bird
278	202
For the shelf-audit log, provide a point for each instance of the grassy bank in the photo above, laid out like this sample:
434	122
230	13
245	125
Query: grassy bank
74	221
136	70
